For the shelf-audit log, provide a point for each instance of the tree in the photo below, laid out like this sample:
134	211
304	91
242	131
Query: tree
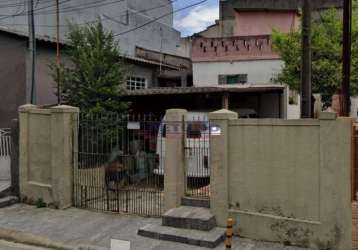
94	78
326	55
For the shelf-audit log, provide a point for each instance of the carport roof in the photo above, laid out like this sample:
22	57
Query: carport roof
246	88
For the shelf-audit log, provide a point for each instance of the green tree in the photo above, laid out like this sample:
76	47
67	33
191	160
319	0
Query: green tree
94	77
326	55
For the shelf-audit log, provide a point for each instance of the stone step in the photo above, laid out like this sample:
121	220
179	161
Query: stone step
8	201
195	202
208	239
186	217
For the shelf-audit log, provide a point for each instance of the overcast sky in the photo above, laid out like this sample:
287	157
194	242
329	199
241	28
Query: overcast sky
197	18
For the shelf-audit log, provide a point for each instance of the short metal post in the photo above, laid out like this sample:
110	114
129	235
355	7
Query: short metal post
229	234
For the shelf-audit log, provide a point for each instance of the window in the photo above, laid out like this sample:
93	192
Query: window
233	79
134	83
195	128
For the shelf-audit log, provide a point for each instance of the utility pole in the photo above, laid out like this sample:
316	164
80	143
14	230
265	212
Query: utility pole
32	51
306	72
346	56
58	59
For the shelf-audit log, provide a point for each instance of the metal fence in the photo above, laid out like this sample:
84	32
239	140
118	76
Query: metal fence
197	156
117	164
5	142
5	154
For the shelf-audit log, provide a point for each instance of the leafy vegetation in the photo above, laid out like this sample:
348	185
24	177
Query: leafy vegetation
94	77
326	55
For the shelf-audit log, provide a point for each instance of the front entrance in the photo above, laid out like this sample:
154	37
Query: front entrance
114	167
197	148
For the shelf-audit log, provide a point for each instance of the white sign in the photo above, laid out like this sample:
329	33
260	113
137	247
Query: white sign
120	245
133	125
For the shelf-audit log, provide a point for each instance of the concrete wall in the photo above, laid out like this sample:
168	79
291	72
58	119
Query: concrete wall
258	71
284	180
232	49
279	4
251	23
45	154
212	31
46	86
140	71
229	8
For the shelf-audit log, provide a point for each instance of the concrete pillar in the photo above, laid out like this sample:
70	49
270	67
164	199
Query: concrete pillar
219	143
63	123
46	154
338	132
174	162
225	98
24	113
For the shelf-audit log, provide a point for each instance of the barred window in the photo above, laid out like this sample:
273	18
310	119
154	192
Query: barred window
134	83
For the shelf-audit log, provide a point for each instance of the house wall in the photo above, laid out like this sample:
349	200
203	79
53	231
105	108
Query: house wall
229	8
185	46
212	31
279	179
144	72
46	86
232	49
118	17
13	77
258	71
250	23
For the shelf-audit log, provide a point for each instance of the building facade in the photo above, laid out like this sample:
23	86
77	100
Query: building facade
237	49
142	28
234	60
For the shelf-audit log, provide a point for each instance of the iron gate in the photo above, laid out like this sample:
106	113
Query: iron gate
197	156
5	154
116	166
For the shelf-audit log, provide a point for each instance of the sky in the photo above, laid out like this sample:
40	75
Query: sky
196	18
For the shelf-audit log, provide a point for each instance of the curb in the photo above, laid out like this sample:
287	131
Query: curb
34	240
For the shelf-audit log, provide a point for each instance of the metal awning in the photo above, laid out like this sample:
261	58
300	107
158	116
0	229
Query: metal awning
246	88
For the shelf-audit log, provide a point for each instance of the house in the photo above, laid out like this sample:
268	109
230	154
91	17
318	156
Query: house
237	49
147	40
260	17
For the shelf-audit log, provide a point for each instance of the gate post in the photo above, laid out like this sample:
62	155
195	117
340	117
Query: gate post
46	154
219	140
62	149
174	161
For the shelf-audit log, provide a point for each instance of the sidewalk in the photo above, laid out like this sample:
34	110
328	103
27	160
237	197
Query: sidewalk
5	245
81	227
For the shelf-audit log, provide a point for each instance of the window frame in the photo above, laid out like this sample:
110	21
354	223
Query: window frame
136	82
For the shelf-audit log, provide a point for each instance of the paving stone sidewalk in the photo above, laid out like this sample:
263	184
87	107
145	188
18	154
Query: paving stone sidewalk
76	226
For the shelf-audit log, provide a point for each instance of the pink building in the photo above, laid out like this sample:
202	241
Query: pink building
256	23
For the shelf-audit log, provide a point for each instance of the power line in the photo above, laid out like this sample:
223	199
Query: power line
130	30
106	16
160	17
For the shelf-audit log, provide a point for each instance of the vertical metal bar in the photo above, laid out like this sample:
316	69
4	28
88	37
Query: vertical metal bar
347	47
32	48
58	60
306	88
